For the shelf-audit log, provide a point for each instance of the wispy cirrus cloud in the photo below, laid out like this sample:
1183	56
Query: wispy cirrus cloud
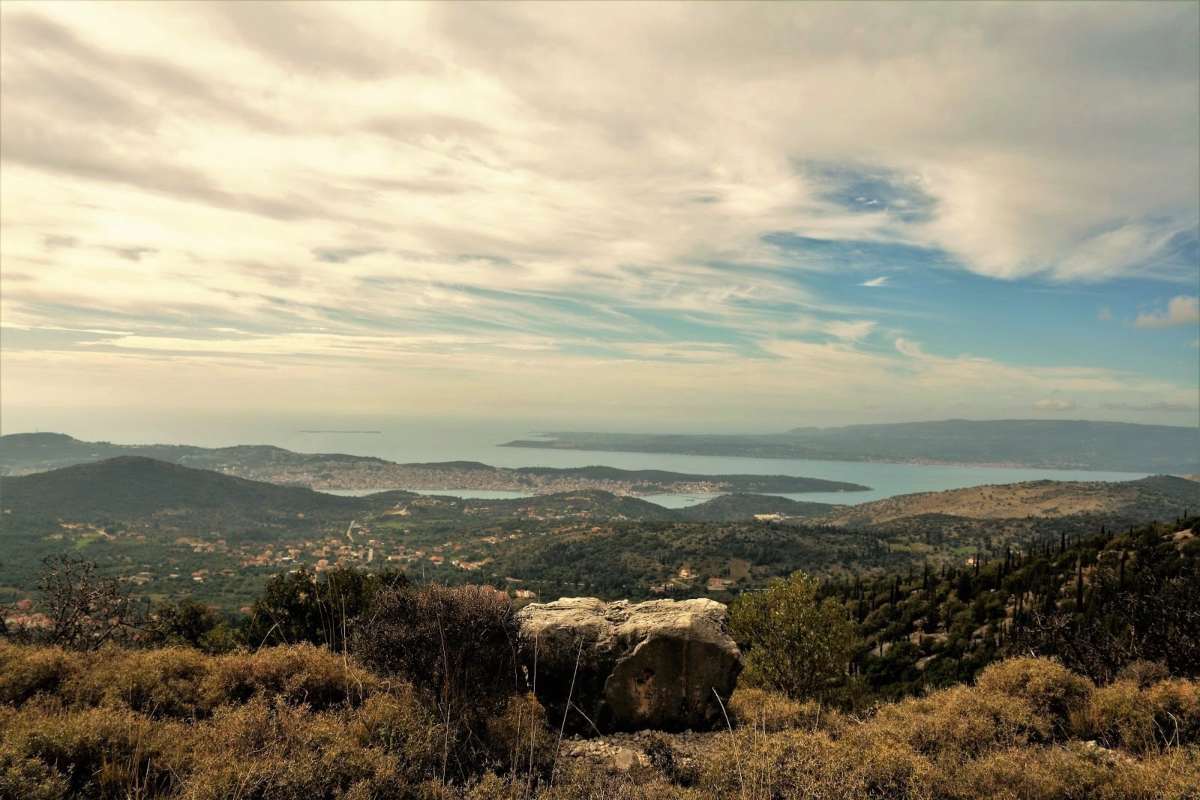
439	200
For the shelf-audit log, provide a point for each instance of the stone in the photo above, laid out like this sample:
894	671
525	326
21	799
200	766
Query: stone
661	664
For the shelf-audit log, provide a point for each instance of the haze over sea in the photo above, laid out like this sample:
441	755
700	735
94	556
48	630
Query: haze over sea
407	439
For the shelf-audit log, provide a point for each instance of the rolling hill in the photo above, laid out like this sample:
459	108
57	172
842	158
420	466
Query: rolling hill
1142	500
133	486
184	530
35	452
734	507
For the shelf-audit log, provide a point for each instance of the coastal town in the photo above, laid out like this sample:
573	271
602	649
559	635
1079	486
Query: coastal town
351	474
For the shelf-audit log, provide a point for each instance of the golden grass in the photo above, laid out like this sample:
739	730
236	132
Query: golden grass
292	723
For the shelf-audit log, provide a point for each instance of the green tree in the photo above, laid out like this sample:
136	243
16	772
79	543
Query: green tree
302	606
190	622
795	643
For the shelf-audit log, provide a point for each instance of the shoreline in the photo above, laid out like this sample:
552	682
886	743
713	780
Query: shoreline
916	462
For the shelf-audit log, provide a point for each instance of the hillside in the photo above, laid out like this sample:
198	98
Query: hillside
22	453
35	452
213	535
1065	670
294	722
1094	599
1077	444
1157	496
133	486
733	507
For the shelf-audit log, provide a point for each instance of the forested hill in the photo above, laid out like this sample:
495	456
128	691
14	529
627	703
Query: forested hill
171	520
132	486
37	452
733	507
1138	500
1078	444
1098	601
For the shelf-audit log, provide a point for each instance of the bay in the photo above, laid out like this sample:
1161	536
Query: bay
481	443
407	439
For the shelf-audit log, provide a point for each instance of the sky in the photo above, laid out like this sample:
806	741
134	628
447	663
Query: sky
672	216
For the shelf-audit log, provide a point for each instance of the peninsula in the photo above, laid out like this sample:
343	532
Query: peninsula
37	452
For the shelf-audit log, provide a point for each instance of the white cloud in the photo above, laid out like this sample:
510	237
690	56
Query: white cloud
1180	310
909	348
441	200
1054	404
852	330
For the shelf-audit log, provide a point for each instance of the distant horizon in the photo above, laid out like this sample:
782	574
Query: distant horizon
648	429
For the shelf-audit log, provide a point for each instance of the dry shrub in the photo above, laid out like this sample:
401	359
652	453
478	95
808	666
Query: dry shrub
98	752
747	764
28	777
165	682
870	764
771	711
493	787
181	682
1030	773
272	750
1142	720
396	723
301	673
884	767
1176	705
1052	691
455	641
457	646
293	723
1144	673
519	738
961	722
26	671
584	782
1171	775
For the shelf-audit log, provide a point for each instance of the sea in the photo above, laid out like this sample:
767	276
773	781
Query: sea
404	439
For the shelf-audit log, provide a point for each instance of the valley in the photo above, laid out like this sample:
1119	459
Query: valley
177	531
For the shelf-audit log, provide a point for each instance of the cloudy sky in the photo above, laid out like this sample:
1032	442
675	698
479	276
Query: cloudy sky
735	216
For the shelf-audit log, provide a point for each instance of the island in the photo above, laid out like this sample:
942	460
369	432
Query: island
1036	443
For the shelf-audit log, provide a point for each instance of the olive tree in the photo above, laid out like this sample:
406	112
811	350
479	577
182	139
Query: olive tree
795	643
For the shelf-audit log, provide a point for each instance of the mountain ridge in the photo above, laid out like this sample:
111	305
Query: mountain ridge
1054	444
24	453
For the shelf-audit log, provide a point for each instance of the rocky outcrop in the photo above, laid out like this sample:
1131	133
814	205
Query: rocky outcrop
625	666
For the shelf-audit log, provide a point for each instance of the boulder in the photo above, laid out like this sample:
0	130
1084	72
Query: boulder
627	666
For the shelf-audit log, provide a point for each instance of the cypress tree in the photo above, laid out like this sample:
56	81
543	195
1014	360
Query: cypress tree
1079	583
